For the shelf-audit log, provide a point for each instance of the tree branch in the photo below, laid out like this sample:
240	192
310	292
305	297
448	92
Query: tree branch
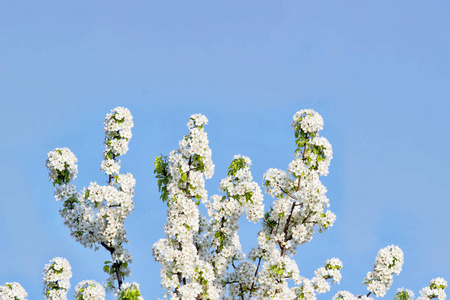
253	283
116	265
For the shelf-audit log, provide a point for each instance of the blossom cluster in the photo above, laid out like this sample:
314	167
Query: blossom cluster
242	193
56	277
436	289
346	295
96	214
300	210
117	128
104	209
272	278
404	294
389	261
306	288
12	291
239	186
62	166
129	291
185	273
331	270
89	290
202	258
308	121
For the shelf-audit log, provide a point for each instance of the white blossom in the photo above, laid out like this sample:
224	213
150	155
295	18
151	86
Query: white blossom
62	166
436	289
308	120
404	294
56	277
96	215
344	295
89	290
203	258
389	261
129	291
12	291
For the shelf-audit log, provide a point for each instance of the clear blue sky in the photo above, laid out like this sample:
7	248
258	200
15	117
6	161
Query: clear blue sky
377	71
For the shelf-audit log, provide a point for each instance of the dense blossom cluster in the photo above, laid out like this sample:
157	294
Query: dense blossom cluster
12	291
242	193
300	209
186	268
389	261
96	215
404	294
330	271
56	277
308	121
436	289
62	166
346	295
117	128
308	288
202	258
129	291
89	290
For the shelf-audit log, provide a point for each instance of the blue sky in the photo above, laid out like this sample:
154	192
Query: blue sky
377	71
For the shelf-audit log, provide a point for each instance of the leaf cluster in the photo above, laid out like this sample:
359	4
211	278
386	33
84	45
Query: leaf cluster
130	294
63	176
402	296
110	267
162	174
236	164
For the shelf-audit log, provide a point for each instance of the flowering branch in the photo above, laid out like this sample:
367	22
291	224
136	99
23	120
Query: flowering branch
96	215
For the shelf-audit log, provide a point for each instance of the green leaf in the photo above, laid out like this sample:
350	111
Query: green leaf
248	197
183	176
401	296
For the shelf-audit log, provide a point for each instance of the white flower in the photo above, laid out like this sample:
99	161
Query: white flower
344	295
436	289
129	291
407	293
62	166
389	261
309	121
117	128
96	215
56	279
89	290
12	291
110	166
